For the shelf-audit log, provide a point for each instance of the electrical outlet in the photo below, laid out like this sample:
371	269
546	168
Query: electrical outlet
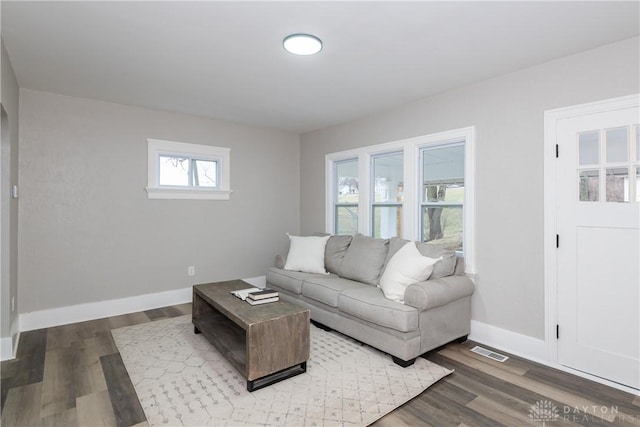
13	304
191	271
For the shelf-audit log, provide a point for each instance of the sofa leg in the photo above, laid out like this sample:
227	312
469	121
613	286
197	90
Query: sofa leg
462	339
403	363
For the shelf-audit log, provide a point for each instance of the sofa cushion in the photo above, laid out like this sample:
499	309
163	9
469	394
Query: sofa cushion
364	259
334	253
368	303
443	268
306	254
290	280
446	266
326	290
406	267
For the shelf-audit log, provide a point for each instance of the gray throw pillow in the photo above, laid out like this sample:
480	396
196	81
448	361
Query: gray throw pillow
444	267
334	253
364	259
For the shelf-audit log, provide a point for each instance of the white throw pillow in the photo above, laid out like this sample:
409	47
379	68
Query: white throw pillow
407	266
306	254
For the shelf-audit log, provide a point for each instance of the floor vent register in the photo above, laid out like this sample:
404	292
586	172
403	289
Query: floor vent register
490	354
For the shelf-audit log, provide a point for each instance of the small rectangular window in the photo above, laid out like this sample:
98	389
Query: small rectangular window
187	171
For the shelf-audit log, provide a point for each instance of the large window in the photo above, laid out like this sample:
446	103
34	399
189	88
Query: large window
387	186
417	189
442	195
177	170
346	196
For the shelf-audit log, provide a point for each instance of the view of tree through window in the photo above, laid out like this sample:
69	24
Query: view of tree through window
443	195
346	196
187	172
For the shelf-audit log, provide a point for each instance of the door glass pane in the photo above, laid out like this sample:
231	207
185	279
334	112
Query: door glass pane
589	185
617	145
443	225
347	181
205	173
346	219
387	178
617	185
387	221
588	148
174	170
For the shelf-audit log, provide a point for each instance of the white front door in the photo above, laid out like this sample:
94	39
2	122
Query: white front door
598	257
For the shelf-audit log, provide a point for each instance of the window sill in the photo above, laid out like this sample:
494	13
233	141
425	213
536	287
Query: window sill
187	193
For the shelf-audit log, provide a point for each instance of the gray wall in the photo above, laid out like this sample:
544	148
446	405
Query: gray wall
89	233
9	211
508	114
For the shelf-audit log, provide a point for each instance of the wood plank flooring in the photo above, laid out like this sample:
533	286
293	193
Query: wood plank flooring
73	375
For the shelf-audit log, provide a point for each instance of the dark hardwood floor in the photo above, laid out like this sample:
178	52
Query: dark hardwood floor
73	375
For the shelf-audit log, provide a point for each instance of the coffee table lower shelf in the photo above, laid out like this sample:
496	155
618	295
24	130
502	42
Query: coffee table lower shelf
278	336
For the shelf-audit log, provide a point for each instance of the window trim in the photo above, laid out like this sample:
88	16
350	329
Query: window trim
410	210
422	204
159	147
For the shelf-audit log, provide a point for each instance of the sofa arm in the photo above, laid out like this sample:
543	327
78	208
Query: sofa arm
437	292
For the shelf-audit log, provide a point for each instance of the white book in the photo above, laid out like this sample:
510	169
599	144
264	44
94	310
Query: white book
242	293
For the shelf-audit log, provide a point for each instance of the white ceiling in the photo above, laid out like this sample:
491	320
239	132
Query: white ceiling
225	59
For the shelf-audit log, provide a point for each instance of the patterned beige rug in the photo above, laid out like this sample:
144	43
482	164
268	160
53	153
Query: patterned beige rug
181	380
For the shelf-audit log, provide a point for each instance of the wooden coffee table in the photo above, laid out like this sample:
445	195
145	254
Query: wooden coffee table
266	343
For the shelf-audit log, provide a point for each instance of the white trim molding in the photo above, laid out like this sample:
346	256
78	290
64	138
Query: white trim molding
6	349
532	349
97	310
411	149
551	119
220	155
509	341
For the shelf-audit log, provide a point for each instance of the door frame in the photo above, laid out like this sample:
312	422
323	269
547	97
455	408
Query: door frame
551	119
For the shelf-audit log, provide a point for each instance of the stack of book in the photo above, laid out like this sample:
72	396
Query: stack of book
262	297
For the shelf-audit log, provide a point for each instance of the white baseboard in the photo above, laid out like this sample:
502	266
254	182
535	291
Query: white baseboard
529	348
97	310
509	341
6	348
259	282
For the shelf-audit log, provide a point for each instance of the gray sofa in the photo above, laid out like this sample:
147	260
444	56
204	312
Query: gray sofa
348	300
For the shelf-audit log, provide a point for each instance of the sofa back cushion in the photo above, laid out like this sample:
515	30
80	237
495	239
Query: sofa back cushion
334	253
365	259
443	268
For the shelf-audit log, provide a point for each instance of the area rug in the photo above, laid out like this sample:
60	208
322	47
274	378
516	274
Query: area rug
181	380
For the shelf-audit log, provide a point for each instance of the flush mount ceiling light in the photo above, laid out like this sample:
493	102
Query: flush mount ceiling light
302	44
